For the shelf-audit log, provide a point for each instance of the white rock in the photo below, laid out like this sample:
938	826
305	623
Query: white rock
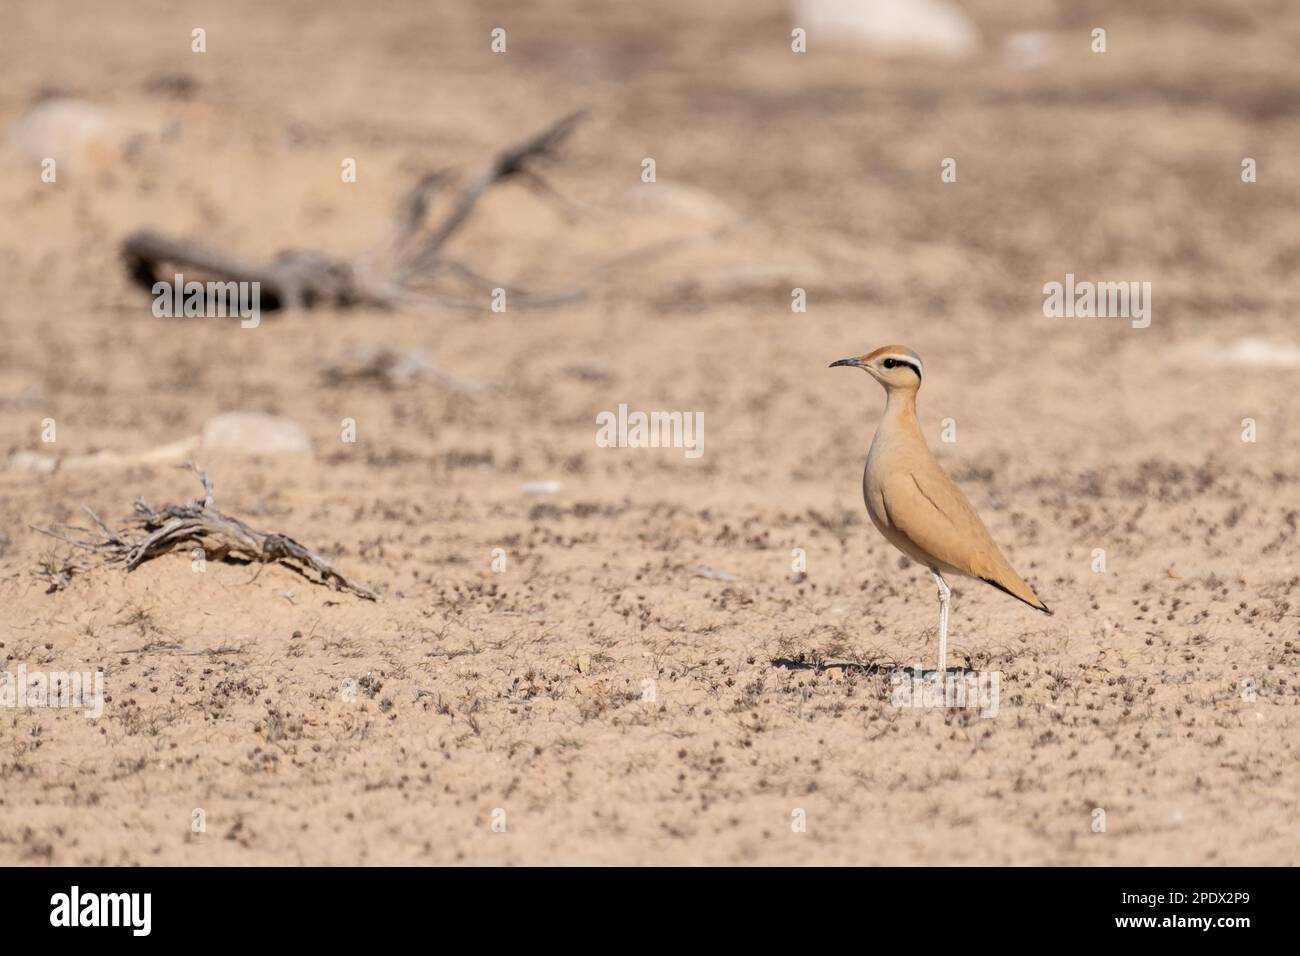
254	433
32	461
68	131
540	487
683	200
933	27
704	571
1255	352
1028	49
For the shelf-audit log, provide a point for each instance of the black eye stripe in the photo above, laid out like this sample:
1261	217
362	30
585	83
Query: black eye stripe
894	363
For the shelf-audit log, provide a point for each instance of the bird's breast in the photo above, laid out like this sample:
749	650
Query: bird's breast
873	488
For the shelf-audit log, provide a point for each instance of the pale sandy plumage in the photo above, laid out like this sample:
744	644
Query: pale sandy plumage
913	502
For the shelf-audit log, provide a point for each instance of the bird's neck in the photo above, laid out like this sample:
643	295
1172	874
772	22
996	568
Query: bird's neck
897	424
900	411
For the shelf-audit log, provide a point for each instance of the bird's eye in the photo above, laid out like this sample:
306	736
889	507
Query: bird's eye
890	363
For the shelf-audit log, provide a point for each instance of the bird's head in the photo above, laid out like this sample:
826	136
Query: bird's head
893	366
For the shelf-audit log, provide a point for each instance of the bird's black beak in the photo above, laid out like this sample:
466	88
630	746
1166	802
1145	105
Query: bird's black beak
851	362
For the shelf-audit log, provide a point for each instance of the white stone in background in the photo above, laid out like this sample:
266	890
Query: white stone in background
540	487
32	461
933	27
1250	351
1255	352
68	131
684	200
254	433
1028	49
713	574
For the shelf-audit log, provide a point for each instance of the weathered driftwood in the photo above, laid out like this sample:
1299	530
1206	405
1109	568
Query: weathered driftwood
150	533
399	272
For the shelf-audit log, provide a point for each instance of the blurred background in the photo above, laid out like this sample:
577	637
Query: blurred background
774	170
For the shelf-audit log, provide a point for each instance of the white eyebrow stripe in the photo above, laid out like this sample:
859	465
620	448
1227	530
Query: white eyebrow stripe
906	360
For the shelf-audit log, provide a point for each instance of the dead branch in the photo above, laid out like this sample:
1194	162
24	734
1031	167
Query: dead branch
152	532
507	163
399	272
57	572
390	368
294	279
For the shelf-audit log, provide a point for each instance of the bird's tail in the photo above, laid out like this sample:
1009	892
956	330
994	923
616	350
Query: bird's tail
1020	590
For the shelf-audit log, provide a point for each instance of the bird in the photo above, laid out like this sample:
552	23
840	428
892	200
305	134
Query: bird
913	502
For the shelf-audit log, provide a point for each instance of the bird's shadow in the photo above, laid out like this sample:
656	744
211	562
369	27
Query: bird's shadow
870	668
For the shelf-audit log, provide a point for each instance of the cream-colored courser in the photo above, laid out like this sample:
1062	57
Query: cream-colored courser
914	503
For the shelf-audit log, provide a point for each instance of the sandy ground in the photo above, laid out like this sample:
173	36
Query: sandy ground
310	726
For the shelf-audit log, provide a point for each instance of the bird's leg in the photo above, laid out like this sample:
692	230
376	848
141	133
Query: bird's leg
944	593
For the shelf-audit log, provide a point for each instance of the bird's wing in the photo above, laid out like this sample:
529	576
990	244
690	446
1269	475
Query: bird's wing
929	510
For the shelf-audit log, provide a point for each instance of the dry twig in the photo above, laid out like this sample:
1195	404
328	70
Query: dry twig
390	368
150	533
